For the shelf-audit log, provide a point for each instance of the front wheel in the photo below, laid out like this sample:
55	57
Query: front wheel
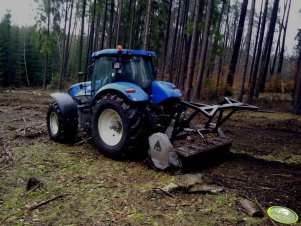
61	128
116	126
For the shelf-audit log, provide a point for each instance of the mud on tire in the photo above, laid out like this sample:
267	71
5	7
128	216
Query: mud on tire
60	128
117	126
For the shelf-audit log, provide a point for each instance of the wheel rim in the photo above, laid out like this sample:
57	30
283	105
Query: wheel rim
54	123
110	127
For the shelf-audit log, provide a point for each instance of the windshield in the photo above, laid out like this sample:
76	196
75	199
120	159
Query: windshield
134	69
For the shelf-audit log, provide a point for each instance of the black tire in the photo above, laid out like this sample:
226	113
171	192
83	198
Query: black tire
66	129
124	133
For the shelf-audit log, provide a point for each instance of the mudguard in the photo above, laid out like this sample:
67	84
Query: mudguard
129	90
65	102
164	90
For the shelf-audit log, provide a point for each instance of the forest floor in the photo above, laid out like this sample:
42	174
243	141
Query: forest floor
82	187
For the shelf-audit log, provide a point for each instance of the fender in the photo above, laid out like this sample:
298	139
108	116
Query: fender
66	103
162	91
131	91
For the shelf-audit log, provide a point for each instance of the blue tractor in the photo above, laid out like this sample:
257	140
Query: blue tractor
123	105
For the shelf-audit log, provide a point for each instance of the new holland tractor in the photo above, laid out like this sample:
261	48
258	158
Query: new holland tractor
124	104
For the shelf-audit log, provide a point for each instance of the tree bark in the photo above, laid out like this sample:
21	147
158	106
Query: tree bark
197	88
110	34
147	26
192	51
118	23
256	43
104	23
166	39
248	42
268	48
278	41
236	48
67	43
281	55
258	54
297	94
91	36
48	36
81	40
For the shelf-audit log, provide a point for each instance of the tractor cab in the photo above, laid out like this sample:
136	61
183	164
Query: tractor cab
117	65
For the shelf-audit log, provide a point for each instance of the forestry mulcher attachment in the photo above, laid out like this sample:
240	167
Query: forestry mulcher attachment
123	105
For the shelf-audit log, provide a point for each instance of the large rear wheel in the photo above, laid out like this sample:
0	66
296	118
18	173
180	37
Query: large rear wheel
61	128
117	126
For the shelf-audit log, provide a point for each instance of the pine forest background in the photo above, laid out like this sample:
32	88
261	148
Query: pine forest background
206	47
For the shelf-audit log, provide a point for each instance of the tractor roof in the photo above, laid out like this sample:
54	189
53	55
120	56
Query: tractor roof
123	52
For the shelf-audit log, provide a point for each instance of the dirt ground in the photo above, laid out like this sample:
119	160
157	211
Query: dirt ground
82	187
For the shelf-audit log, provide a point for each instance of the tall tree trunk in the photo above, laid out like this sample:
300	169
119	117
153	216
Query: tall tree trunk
215	41
297	94
81	38
248	42
197	88
104	24
147	26
63	48
192	51
166	39
97	28
132	24
281	55
67	43
278	41
24	56
268	48
110	34
256	43
174	42
236	48
91	36
48	36
118	22
258	54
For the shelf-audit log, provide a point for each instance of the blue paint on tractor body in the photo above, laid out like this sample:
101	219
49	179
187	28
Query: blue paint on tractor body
158	91
130	90
163	90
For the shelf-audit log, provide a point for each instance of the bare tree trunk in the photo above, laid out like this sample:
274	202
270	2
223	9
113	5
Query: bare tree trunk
256	43
258	54
278	41
132	24
166	40
147	26
67	43
81	40
24	56
248	42
267	50
236	48
192	51
297	90
118	22
104	23
215	42
174	43
110	34
46	56
63	48
197	88
91	36
281	55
